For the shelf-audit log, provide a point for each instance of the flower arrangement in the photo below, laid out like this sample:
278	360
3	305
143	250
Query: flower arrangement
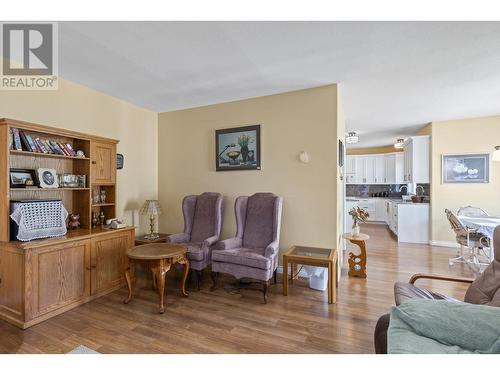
358	216
244	140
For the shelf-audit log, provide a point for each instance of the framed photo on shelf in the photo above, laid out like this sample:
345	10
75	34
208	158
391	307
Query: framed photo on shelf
237	148
47	178
466	168
22	178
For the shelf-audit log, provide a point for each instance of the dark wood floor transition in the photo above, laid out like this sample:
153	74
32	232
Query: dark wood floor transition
228	322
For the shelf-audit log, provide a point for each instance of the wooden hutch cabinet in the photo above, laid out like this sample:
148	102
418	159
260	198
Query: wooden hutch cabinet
43	278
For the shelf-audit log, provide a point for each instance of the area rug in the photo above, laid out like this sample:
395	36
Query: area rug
82	349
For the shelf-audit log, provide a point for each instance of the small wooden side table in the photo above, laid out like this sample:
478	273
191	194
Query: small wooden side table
140	240
312	256
160	257
357	263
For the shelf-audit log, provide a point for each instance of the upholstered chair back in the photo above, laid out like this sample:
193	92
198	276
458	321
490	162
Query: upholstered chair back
257	219
202	215
485	290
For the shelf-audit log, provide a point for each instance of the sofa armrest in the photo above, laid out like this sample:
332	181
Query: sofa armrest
271	249
440	277
210	241
178	238
230	243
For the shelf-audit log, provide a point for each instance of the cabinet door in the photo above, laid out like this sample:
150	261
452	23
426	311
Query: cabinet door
359	170
399	168
103	163
409	176
390	169
379	169
56	276
369	170
350	165
108	260
381	210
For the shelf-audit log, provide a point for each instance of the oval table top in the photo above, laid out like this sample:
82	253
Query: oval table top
154	251
359	237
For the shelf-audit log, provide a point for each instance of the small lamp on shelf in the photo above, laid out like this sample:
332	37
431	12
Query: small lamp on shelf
151	207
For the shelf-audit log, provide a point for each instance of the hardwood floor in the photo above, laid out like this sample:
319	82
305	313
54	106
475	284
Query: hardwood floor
224	322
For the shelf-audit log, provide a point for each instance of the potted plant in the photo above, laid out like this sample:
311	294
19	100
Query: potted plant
243	141
358	216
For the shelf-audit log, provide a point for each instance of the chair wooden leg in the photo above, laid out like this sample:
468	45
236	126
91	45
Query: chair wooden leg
215	277
265	285
199	276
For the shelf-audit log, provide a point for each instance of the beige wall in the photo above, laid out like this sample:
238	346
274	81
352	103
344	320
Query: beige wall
478	135
291	122
78	108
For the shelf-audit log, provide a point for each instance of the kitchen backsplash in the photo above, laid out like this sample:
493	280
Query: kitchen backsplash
368	190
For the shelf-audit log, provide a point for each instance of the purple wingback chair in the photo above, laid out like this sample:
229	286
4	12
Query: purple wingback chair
253	252
202	226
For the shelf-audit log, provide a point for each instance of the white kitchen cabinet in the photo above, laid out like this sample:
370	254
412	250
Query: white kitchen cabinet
417	160
413	223
369	205
350	164
380	170
390	168
380	209
399	170
366	166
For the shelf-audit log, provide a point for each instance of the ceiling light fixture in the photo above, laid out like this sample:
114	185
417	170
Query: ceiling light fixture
399	143
351	138
496	154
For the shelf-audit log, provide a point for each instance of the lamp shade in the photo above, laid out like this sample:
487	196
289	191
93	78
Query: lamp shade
151	207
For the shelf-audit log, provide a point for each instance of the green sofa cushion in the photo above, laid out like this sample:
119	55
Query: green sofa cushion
426	326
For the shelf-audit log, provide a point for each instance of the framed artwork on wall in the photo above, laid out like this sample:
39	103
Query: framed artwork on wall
466	168
237	148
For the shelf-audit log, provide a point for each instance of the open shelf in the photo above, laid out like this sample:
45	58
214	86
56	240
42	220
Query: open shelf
41	154
102	204
49	189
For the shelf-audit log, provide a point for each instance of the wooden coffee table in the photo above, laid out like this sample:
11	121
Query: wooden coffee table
160	257
312	256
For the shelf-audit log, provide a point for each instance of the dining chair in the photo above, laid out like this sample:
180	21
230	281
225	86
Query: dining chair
470	238
484	251
472	211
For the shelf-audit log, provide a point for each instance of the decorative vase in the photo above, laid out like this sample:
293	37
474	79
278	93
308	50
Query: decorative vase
103	196
244	153
355	230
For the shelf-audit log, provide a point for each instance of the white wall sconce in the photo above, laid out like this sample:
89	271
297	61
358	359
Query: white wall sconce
304	157
496	154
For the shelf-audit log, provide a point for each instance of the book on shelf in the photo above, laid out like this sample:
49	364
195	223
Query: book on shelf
41	146
11	139
70	149
61	146
57	148
46	144
17	140
24	141
31	142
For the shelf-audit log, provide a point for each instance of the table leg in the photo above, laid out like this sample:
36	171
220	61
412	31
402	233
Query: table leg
160	277
129	285
294	273
154	285
330	282
185	262
285	276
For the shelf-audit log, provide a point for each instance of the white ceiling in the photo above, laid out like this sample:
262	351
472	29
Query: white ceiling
395	76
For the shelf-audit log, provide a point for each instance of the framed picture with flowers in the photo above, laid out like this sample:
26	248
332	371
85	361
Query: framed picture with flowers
237	148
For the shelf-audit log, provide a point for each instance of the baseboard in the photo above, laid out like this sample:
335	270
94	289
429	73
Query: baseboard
444	244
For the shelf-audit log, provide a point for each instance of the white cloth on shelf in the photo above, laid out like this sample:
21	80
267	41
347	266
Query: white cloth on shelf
39	219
